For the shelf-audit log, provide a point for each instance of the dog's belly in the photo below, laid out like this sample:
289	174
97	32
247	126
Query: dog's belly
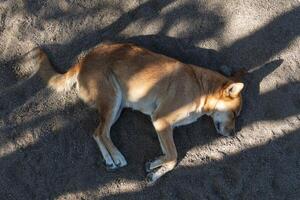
145	107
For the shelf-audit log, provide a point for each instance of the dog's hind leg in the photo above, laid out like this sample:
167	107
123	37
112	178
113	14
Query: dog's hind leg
109	163
109	106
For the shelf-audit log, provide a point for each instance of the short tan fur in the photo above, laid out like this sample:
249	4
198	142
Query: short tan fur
113	76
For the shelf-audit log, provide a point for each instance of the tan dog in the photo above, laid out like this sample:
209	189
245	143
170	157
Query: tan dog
113	76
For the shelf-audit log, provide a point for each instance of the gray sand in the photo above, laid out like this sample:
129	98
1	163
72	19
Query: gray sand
46	148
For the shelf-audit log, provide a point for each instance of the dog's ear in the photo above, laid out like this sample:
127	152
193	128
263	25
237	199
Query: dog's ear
234	89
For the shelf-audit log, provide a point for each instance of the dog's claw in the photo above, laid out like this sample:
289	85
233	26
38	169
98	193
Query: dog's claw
119	160
147	166
110	167
118	164
149	179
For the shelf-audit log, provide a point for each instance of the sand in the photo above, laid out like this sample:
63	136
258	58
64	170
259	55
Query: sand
46	148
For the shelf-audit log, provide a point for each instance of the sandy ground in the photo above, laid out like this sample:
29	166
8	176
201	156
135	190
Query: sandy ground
46	148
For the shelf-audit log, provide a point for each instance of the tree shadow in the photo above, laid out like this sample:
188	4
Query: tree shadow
178	48
257	48
47	167
269	171
268	106
41	169
272	105
146	12
22	84
63	160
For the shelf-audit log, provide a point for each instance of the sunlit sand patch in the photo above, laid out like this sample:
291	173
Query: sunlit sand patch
220	148
7	149
74	195
29	137
26	139
122	186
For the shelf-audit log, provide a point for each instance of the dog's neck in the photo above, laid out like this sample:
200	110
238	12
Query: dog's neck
208	91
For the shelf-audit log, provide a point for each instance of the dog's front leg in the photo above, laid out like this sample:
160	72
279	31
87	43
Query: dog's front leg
109	107
112	156
108	161
168	161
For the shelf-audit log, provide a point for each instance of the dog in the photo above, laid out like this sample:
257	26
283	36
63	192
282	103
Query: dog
113	76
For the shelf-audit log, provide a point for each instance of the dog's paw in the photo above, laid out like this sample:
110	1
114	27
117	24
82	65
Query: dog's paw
147	166
153	164
150	179
109	163
110	167
119	160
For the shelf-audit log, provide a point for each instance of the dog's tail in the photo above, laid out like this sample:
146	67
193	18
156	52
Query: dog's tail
36	62
63	82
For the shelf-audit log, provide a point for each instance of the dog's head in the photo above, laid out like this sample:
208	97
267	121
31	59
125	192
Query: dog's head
225	107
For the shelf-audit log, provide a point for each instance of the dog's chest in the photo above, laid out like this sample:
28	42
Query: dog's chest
188	118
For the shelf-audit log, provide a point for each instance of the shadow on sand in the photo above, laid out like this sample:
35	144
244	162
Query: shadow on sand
62	159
